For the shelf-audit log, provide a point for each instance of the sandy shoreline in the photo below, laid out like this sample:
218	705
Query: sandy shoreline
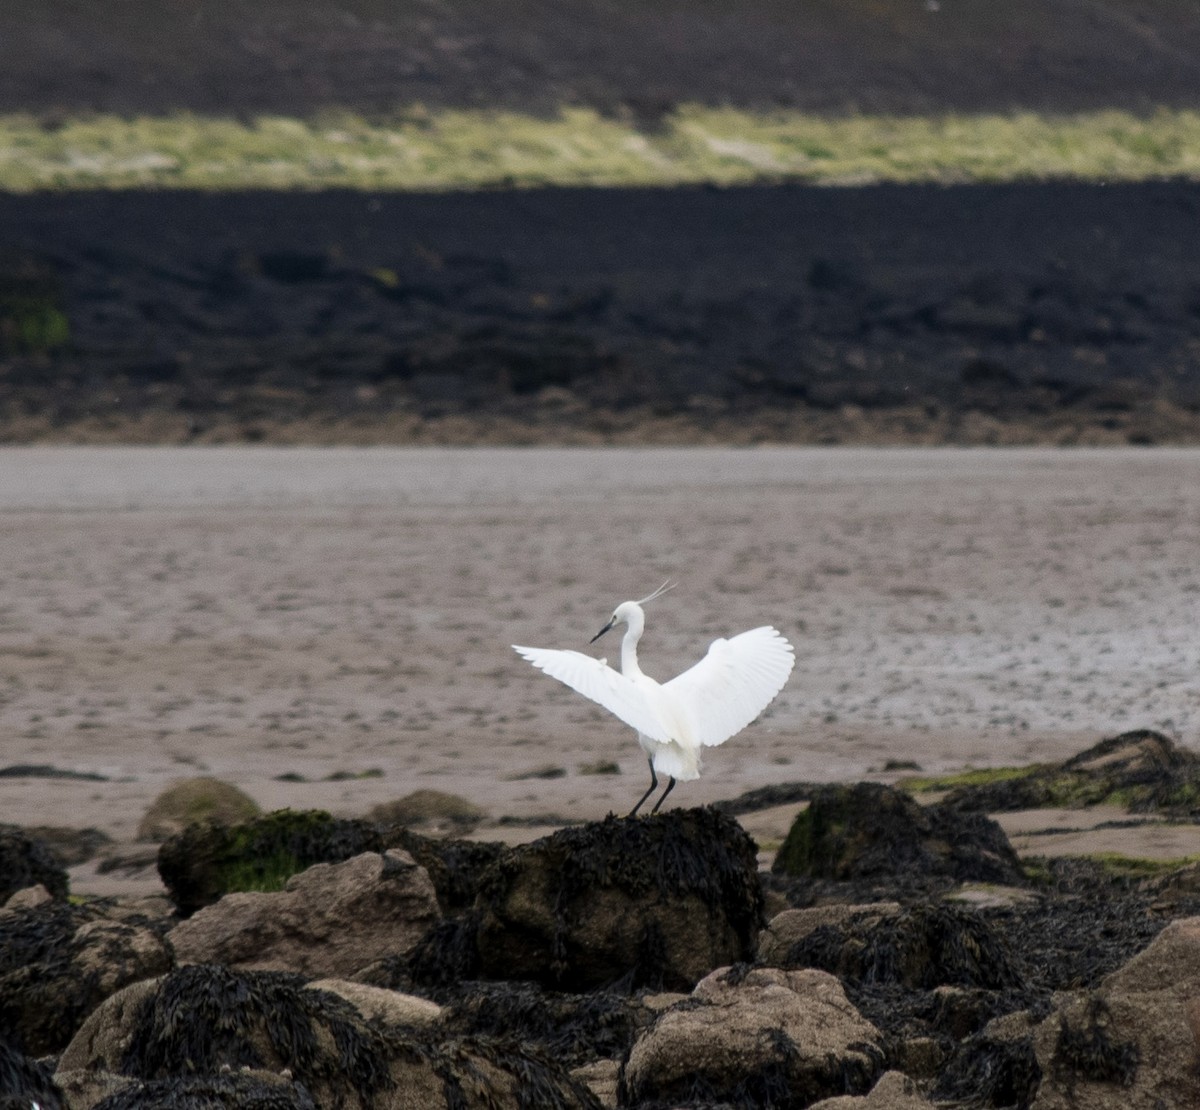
250	612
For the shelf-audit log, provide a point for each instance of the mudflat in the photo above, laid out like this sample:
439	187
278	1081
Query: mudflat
343	616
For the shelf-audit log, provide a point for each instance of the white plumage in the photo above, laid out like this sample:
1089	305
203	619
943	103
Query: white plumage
702	707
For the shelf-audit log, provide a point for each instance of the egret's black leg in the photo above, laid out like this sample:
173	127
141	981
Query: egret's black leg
670	787
653	787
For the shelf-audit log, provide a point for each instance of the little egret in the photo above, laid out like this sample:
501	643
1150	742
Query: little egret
702	707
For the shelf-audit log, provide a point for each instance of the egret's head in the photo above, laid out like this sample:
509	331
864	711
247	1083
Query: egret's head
622	612
630	612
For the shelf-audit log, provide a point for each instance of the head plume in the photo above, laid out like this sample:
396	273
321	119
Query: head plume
667	585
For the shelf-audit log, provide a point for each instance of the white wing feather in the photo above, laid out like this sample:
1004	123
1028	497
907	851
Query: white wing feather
597	680
733	683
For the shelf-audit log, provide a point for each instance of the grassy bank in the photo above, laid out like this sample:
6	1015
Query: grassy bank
458	149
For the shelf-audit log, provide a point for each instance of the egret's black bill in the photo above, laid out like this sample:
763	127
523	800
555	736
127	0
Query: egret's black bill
602	631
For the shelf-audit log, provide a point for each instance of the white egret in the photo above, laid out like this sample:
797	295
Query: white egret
702	707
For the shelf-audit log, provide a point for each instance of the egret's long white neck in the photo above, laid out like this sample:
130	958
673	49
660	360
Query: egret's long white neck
635	622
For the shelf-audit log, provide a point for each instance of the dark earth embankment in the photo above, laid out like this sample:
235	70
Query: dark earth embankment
1051	312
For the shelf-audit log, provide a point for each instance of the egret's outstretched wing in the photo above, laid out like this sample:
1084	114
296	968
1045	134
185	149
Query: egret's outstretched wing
598	681
733	683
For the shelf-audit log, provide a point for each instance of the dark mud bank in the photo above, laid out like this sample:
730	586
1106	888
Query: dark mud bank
1018	313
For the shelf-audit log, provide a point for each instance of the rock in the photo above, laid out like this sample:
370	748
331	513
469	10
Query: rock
920	1057
960	1011
657	901
83	1089
995	1067
196	801
1130	1042
71	846
330	920
791	927
26	861
434	811
759	1037
202	1021
204	862
59	962
602	1078
377	1004
894	1091
28	898
1142	770
455	866
874	832
571	1028
247	1089
925	946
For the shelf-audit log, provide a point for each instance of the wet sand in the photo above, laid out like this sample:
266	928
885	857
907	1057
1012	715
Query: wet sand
253	612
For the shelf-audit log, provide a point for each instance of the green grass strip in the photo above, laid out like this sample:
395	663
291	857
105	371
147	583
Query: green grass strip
445	150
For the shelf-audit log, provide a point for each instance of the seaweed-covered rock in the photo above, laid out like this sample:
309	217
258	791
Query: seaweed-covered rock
1142	770
456	866
27	861
873	832
996	1067
759	1037
70	845
58	962
573	1028
657	901
196	801
1131	1043
923	946
789	928
205	862
25	1082
202	1021
332	919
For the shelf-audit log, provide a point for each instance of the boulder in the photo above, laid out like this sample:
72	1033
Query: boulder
69	845
26	861
384	1007
657	901
756	1037
791	927
871	832
924	946
1132	1042
330	920
205	862
203	1021
194	801
58	962
602	1078
573	1028
894	1091
28	898
456	866
1142	770
994	1067
248	1089
433	811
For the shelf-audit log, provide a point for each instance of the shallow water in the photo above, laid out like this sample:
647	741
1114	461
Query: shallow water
249	611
